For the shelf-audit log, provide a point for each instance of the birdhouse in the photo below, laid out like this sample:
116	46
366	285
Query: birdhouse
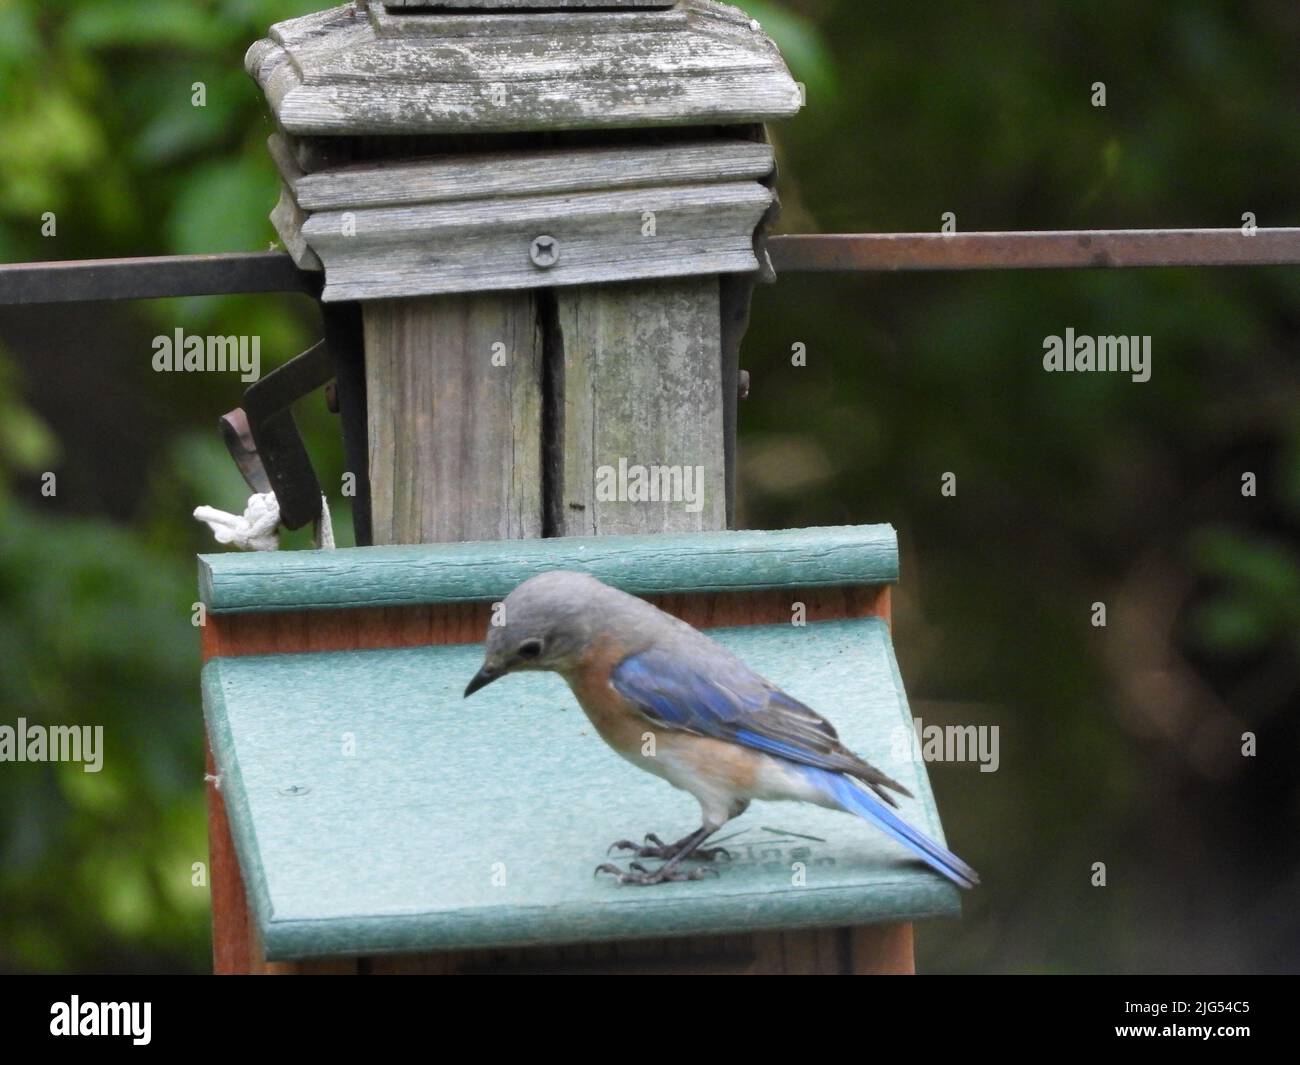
384	824
537	225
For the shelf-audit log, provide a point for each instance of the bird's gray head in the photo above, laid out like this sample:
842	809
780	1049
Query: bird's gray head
545	623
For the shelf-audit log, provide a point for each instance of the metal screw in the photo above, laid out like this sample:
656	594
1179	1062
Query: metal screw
545	252
743	384
294	790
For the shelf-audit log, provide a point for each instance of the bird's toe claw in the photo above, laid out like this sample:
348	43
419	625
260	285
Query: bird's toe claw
678	876
651	847
640	876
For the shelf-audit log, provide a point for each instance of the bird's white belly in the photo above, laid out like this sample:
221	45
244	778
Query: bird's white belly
723	776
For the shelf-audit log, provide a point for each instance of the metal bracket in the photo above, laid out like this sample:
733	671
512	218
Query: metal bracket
263	438
239	442
264	441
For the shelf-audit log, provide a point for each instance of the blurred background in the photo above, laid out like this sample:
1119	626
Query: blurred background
1120	744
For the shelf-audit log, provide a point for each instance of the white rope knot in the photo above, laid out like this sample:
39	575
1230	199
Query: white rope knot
254	530
257	529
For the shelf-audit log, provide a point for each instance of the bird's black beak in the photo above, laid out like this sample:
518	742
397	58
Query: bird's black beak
482	679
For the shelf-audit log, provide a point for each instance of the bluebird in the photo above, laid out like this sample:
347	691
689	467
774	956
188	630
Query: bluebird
720	731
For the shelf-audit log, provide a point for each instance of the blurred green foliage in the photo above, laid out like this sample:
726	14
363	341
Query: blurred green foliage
98	127
1118	744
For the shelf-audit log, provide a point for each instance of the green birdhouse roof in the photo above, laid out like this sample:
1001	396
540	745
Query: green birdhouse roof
374	810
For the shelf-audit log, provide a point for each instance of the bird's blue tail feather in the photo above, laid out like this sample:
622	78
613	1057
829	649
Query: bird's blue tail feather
858	800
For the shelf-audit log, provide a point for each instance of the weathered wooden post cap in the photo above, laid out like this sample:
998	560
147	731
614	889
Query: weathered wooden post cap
594	124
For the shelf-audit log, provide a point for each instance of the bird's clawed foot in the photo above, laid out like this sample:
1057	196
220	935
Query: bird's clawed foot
673	854
639	875
654	847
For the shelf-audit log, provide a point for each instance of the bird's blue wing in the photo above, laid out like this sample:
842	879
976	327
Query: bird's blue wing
719	696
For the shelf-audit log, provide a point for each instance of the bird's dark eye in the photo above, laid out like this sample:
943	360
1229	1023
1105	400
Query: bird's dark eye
530	648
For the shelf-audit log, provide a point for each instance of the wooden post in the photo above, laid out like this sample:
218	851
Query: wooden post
638	386
454	397
549	213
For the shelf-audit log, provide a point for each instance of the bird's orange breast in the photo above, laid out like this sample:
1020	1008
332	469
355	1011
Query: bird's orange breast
617	721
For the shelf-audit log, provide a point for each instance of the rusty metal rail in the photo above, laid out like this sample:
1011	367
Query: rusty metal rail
1049	250
153	277
215	275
